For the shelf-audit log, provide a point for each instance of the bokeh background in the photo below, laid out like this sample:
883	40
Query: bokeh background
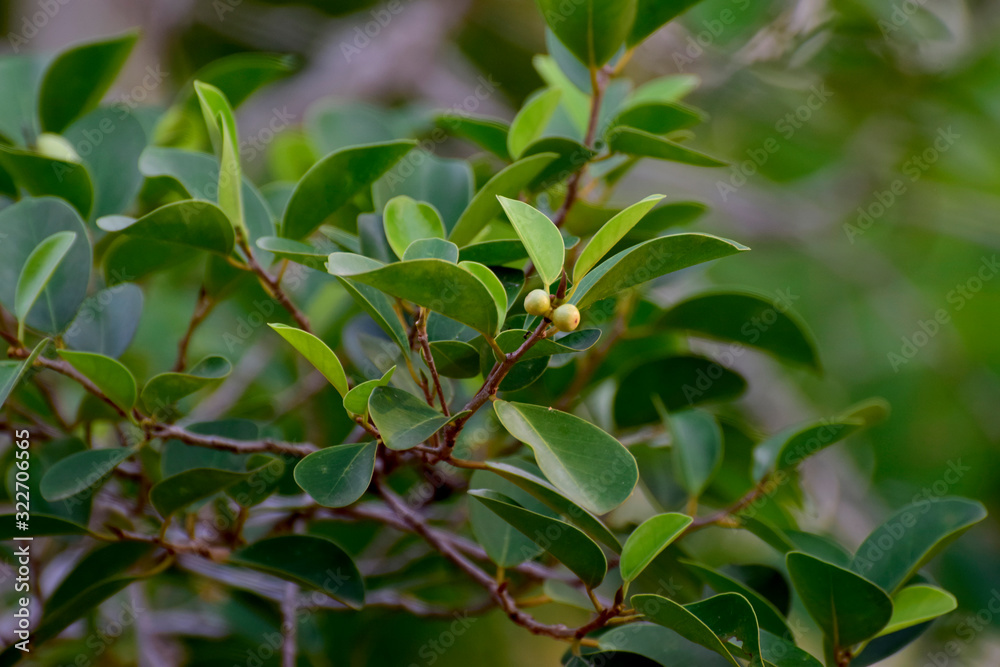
865	142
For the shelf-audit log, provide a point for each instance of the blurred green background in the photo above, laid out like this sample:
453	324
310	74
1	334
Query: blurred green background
866	177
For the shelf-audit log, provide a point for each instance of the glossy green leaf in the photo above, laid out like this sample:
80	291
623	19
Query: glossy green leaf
494	253
165	389
638	143
317	353
81	471
908	539
176	492
647	261
529	478
440	286
356	400
310	561
41	175
795	444
541	238
748	319
337	476
109	375
493	286
37	272
487	133
334	181
403	420
656	117
570	343
530	121
657	643
847	607
12	372
649	540
295	251
593	30
696	446
432	249
107	321
570	154
651	15
505	545
918	604
567	544
709	623
407	220
585	463
485	206
222	128
610	234
191	223
455	359
768	616
379	307
78	78
780	652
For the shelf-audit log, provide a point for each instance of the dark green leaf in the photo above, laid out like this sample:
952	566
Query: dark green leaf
782	653
487	133
107	321
39	525
593	30
455	359
637	143
295	251
109	375
505	545
192	223
101	564
41	175
403	420
178	491
768	616
165	389
657	117
81	471
337	476
696	444
651	15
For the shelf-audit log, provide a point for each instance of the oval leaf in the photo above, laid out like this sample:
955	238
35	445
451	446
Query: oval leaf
110	376
610	234
637	143
407	220
317	353
81	471
36	273
165	389
540	237
192	223
403	420
530	121
649	540
918	604
337	476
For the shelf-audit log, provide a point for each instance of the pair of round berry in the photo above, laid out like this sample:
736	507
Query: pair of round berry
566	317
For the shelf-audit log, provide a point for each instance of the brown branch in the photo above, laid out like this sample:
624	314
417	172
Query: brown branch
171	431
202	308
66	369
273	285
425	347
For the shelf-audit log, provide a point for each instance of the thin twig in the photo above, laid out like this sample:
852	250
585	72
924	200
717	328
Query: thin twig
203	306
273	285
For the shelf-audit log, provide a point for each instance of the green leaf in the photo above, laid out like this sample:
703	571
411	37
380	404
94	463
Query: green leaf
647	261
317	353
407	220
310	561
37	272
567	544
531	120
524	476
492	284
337	476
571	343
222	128
379	307
432	249
637	143
651	15
657	643
570	154
912	536
649	540
78	78
81	471
540	237
295	251
178	491
403	420
505	545
593	30
455	359
440	286
588	465
768	616
40	525
793	445
782	653
918	604
696	445
191	223
334	181
41	175
107	321
610	234
485	206
356	400
18	114
12	372
109	375
447	184
847	607
165	389
109	140
656	117
666	89
487	133
494	253
749	319
102	564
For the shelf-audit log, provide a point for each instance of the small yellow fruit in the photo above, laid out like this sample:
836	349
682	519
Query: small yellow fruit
538	303
566	317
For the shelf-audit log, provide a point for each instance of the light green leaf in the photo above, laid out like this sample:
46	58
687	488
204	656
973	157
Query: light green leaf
36	273
313	562
432	249
651	15
192	223
492	284
541	238
407	220
649	540
610	234
918	604
78	78
12	372
337	476
656	117
530	121
847	607
165	389
588	465
567	544
356	400
638	143
334	181
81	471
485	206
665	89
914	535
403	420
108	374
593	30
647	261
295	251
317	353
222	128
